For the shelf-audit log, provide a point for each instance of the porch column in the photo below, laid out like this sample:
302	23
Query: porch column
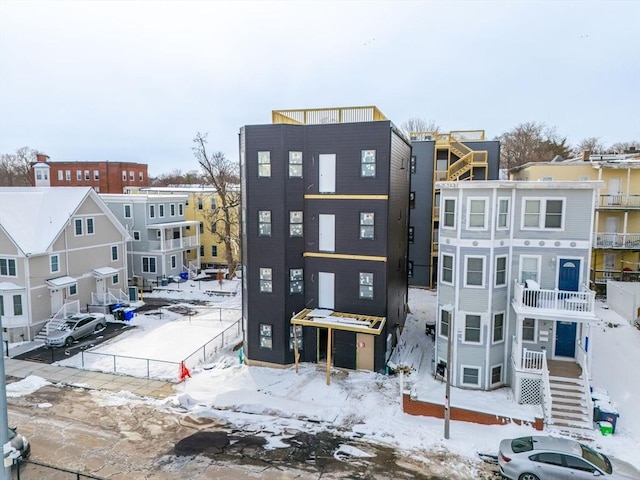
328	356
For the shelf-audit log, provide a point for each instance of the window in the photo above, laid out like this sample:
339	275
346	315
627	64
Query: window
549	458
471	376
412	199
78	226
141	176
60	175
90	226
474	275
86	175
149	264
54	263
79	175
498	328
214	250
449	219
578	464
96	175
546	213
411	234
295	164
161	210
1	306
38	174
67	175
200	204
212	203
266	281
503	213
152	211
266	337
173	261
264	223
17	305
295	337
472	328
115	280
446	276
529	330
445	321
496	375
180	209
124	175
172	209
264	164
8	267
127	211
368	163
136	235
366	286
528	268
202	250
296	280
132	175
114	253
213	227
295	224
501	271
413	164
201	228
410	269
73	289
366	225
477	214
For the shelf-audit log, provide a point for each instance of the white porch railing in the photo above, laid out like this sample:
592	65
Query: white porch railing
546	391
65	311
619	200
564	302
530	361
583	361
110	297
173	243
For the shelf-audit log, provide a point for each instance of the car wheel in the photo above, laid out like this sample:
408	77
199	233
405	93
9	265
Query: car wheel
69	341
528	476
99	327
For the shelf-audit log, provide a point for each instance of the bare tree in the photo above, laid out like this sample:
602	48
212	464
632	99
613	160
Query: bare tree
590	144
415	124
530	142
15	168
624	147
224	219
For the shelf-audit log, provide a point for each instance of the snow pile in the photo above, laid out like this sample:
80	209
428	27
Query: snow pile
26	386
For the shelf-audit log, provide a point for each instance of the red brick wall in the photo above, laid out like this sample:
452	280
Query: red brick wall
109	175
415	407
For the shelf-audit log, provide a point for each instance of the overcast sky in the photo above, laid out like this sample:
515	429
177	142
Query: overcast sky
134	81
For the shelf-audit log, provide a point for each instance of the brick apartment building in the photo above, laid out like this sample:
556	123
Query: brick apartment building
104	177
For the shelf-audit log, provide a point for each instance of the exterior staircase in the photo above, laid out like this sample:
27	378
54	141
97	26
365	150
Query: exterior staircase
60	316
571	406
467	160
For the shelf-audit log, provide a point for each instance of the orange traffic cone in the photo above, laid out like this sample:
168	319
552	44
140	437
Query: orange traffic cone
184	372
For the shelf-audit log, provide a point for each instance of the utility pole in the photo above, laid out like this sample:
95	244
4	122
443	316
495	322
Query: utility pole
4	419
447	392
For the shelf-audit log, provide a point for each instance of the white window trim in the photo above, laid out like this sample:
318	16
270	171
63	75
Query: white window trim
504	327
152	207
69	290
484	270
506	271
86	225
111	253
172	209
484	200
539	261
181	209
443	212
174	261
535	331
464	329
134	235
60	175
474	367
501	381
506	227
15	265
75	231
50	263
149	258
161	210
124	210
543	212
439	321
117	277
453	269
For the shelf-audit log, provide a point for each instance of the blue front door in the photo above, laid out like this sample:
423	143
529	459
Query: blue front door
569	275
566	339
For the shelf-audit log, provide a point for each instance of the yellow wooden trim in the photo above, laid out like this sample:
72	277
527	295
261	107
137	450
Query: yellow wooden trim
376	324
345	197
344	256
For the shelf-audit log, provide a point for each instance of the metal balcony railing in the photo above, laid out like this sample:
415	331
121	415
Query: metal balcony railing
617	240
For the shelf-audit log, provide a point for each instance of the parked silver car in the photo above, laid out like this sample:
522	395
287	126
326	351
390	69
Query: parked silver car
75	327
542	458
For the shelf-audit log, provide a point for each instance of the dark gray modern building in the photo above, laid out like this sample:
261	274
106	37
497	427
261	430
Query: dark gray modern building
455	156
325	217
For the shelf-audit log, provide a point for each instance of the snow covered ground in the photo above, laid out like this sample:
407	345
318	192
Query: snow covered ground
367	405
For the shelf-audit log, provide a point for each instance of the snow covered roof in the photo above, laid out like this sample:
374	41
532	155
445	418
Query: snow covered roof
62	281
104	271
34	216
9	286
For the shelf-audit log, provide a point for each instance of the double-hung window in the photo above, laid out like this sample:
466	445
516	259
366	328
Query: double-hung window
445	322
471	376
529	268
266	280
90	226
472	327
161	210
264	223
295	164
368	163
149	264
54	263
366	286
200	203
449	216
295	224
503	214
8	267
501	271
498	328
127	211
114	253
474	271
477	215
152	211
264	164
266	336
446	274
78	226
543	214
295	337
367	225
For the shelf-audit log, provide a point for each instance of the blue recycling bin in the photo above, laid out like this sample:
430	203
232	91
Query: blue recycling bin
184	275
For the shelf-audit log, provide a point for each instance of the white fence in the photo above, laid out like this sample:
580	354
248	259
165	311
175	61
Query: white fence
624	299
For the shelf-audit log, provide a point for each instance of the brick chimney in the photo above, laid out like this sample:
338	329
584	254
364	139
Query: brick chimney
586	154
41	157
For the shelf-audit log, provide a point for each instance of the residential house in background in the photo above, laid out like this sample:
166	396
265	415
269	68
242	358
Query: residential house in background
163	243
103	177
325	204
61	250
457	155
616	241
513	298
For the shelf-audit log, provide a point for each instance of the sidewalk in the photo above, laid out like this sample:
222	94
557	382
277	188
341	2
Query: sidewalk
88	379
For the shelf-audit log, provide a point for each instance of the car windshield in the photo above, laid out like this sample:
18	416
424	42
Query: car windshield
598	459
67	326
523	444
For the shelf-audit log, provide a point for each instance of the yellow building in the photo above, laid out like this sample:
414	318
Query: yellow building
616	240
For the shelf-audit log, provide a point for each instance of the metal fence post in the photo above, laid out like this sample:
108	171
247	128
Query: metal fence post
114	365
148	375
82	357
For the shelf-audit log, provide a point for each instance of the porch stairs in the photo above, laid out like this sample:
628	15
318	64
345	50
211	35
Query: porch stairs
571	410
49	326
